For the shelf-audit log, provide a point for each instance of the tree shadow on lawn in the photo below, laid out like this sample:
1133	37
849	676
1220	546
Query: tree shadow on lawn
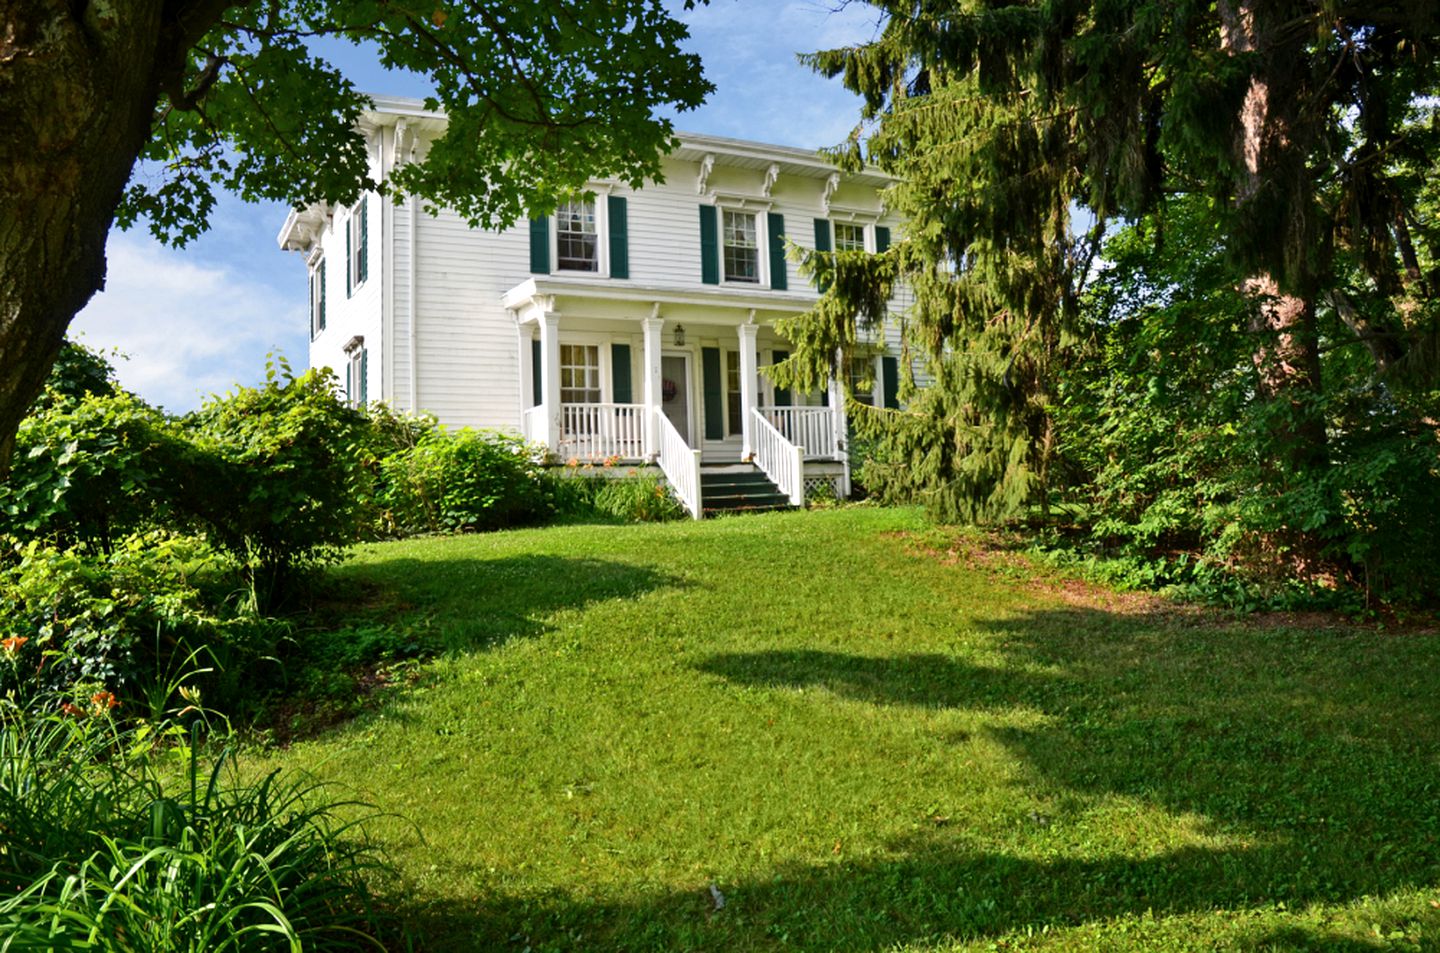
476	604
1311	758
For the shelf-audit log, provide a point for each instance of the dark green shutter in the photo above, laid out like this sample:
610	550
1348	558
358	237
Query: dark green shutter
709	245
620	373
364	377
825	397
882	239
782	394
890	387
619	238
349	263
364	240
540	246
537	386
322	295
714	394
775	225
822	234
822	242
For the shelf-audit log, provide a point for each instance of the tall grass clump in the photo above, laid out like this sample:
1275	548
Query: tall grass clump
128	837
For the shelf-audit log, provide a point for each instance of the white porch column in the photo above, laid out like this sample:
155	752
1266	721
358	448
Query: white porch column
653	395
525	341
748	388
838	419
550	376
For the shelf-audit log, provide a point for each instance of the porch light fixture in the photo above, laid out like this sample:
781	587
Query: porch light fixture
679	335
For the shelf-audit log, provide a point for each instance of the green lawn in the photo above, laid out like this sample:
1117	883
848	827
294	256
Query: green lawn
864	744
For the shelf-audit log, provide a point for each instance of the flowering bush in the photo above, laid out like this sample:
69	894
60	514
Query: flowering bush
462	480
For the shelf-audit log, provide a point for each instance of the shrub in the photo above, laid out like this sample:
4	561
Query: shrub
462	480
638	499
122	621
100	853
90	470
281	482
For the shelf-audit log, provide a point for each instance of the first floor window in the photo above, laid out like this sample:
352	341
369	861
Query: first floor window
732	391
579	374
849	237
317	298
577	237
356	372
862	379
741	242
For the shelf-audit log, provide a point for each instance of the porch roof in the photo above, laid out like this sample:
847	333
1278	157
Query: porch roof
591	298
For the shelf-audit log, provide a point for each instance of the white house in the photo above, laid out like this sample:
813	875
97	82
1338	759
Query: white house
636	325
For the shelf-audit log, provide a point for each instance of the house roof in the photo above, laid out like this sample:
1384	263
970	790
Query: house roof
302	226
694	146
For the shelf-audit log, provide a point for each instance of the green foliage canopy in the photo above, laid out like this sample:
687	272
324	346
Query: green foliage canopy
1023	134
540	97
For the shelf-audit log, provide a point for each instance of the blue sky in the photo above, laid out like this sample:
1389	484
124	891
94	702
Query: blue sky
197	321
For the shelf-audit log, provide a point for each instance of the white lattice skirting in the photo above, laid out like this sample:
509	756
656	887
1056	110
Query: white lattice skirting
824	486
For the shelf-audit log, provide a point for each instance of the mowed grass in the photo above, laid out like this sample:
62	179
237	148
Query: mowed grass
864	740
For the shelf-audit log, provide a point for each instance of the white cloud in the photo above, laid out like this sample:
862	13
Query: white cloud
191	328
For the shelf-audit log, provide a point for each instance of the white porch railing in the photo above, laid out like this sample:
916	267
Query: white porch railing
810	427
680	464
782	461
602	431
532	424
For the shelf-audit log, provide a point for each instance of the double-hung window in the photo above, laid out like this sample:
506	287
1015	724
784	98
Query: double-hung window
577	236
862	379
356	372
849	237
580	374
357	246
317	298
740	242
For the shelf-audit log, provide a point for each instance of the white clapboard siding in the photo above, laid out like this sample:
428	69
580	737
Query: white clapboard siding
466	342
466	349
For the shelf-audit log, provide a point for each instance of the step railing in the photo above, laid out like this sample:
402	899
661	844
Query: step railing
680	464
602	431
780	460
810	427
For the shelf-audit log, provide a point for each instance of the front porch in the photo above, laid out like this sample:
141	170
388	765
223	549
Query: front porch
700	396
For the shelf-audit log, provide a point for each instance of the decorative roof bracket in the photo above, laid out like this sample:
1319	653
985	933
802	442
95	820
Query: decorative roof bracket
707	165
831	184
771	174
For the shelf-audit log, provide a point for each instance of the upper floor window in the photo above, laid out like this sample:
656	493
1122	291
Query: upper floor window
849	237
357	247
317	298
580	374
741	242
577	236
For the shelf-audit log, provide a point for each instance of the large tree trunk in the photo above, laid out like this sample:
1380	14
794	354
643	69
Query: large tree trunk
79	83
1270	148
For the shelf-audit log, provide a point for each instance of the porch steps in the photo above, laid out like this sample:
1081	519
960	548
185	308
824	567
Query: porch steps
739	489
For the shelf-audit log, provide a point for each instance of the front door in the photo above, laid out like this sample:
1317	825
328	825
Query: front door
675	392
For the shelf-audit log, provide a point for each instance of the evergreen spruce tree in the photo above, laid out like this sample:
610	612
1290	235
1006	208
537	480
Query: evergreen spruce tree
1020	131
